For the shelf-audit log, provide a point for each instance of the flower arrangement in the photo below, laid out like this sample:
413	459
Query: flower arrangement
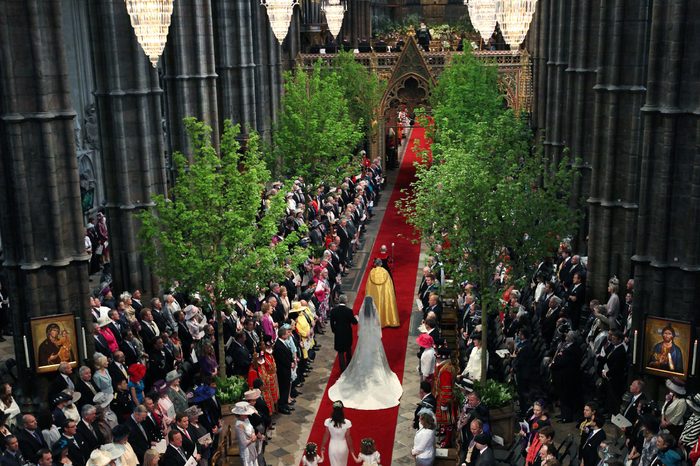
230	389
494	394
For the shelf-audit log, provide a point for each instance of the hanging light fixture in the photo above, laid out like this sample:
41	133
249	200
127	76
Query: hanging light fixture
514	17
482	14
280	12
334	10
151	21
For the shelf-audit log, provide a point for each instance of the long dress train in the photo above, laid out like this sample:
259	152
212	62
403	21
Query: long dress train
368	382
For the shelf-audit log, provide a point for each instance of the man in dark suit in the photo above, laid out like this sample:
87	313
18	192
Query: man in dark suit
117	369
100	342
284	360
588	451
62	381
638	397
138	438
174	455
158	315
117	325
85	387
239	355
524	366
88	434
127	347
75	449
565	369
13	455
427	401
486	457
615	371
155	434
149	329
342	320
576	300
159	361
433	306
182	422
30	439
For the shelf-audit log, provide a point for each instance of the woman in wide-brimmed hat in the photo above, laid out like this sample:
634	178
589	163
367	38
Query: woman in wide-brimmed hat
164	405
175	392
245	432
674	407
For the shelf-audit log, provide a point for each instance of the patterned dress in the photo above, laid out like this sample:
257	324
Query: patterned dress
268	374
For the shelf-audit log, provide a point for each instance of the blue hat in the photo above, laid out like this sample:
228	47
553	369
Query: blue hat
201	393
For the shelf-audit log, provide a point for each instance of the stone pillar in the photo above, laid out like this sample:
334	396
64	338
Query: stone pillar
41	221
190	75
538	40
667	259
552	146
581	74
128	97
268	72
620	89
235	61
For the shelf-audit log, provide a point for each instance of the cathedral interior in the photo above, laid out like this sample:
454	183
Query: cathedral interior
87	123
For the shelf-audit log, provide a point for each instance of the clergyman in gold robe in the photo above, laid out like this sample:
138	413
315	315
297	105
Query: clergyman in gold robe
381	288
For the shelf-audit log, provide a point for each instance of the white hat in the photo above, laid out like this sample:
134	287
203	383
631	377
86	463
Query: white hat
242	408
677	386
76	395
101	399
113	450
103	321
98	458
253	394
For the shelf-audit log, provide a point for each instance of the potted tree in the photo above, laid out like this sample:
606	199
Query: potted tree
499	397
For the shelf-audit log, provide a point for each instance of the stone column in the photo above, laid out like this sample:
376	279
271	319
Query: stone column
667	259
40	214
235	61
128	97
190	75
616	143
555	19
581	74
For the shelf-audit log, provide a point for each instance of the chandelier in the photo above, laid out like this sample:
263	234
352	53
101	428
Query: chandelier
151	21
514	18
482	14
334	11
280	12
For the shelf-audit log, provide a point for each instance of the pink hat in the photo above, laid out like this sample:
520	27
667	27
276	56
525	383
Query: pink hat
425	341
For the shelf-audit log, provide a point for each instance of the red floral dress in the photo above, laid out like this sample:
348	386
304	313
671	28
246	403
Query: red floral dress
268	374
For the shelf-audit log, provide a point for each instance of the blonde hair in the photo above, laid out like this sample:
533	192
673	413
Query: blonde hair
149	456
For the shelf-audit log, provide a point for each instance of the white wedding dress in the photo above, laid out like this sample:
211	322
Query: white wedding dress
368	382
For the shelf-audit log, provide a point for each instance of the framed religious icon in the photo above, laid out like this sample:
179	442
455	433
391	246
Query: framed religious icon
54	341
667	346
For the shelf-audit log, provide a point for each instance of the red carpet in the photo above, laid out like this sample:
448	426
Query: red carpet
381	424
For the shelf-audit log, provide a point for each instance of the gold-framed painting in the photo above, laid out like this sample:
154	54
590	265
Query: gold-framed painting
667	344
54	340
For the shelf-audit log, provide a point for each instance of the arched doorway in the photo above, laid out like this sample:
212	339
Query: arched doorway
409	88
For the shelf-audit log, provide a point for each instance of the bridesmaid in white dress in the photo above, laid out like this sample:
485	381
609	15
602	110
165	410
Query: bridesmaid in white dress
338	430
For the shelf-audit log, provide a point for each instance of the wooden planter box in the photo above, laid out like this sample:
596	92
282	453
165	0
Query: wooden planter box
503	424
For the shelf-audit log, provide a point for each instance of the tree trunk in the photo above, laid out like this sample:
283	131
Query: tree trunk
222	343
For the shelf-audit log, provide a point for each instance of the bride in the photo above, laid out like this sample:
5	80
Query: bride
368	382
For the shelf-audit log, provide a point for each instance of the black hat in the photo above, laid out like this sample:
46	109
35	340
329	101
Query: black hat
60	397
482	439
120	432
475	336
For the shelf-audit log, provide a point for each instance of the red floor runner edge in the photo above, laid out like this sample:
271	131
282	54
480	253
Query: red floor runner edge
381	424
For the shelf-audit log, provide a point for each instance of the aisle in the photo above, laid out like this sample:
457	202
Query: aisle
381	424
